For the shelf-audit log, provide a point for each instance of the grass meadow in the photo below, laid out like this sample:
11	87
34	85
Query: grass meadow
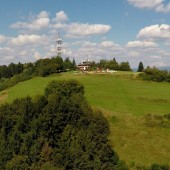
125	101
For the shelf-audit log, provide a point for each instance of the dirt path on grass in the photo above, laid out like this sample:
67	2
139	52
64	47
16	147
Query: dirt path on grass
3	96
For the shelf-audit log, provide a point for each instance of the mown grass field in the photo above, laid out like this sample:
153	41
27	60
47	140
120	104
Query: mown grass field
125	102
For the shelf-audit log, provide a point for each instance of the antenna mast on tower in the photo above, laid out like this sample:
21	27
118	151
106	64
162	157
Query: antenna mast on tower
59	42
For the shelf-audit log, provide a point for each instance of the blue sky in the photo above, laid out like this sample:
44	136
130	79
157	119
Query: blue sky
129	30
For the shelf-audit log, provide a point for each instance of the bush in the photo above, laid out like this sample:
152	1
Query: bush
6	83
18	162
160	167
64	88
154	74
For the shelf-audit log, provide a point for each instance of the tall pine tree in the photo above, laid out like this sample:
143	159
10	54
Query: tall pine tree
140	67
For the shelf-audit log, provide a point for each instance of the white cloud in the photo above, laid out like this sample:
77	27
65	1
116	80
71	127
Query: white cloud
59	26
61	16
107	44
7	59
86	44
163	8
41	21
155	32
157	5
80	30
26	39
5	49
43	14
32	45
76	30
158	64
145	3
141	44
133	53
37	55
96	51
156	57
6	55
2	38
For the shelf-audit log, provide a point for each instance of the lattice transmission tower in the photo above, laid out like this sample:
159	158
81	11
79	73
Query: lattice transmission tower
59	42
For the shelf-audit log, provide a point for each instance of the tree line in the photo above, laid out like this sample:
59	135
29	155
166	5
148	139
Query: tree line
14	73
44	67
111	64
41	67
154	74
11	70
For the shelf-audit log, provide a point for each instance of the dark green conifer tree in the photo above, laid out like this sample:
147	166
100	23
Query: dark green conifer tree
140	67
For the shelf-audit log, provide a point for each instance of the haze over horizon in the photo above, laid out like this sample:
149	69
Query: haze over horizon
128	30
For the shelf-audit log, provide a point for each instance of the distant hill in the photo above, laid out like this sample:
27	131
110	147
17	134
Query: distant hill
164	68
161	68
134	69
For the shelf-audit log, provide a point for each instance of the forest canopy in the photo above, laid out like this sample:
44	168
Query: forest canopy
58	130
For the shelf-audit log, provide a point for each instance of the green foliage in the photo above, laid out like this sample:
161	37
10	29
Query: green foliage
44	67
6	83
10	70
65	88
74	66
122	166
159	167
154	74
157	120
128	101
140	67
18	162
4	72
86	151
58	130
68	65
13	73
58	60
124	66
114	65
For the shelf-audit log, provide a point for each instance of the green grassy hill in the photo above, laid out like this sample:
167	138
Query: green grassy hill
114	93
125	102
